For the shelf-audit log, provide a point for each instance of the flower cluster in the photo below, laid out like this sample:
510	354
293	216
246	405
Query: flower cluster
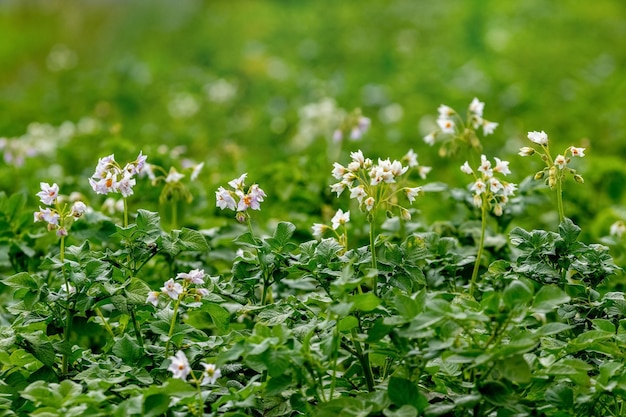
339	219
174	289
451	125
373	185
56	217
238	199
354	126
180	369
555	168
173	188
111	177
489	191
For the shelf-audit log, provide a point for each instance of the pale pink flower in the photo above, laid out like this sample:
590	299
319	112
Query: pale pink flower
153	298
195	276
48	193
172	289
238	183
61	232
560	161
580	152
78	209
224	199
125	185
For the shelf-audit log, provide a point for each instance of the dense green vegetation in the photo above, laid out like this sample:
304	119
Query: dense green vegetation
432	298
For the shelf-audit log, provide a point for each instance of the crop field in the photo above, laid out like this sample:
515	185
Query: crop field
391	208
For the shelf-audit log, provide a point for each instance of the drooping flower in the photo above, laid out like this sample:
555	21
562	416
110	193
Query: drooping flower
318	230
78	209
560	161
411	193
153	298
195	276
467	169
618	228
179	366
174	176
501	166
526	151
225	199
580	152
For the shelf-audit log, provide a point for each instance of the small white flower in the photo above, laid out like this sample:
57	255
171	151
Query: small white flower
179	366
172	289
338	170
489	127
358	192
203	292
411	158
430	139
174	176
153	298
411	193
495	185
478	187
423	171
485	166
196	171
318	230
580	152
501	166
358	157
477	107
78	209
508	189
125	185
467	169
211	374
446	125
540	138
445	111
618	228
48	193
369	203
338	188
340	218
238	183
526	151
560	161
405	214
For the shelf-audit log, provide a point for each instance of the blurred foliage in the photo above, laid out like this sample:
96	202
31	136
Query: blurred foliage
254	86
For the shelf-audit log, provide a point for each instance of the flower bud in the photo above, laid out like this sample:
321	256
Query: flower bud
526	151
579	179
539	175
241	217
497	210
405	214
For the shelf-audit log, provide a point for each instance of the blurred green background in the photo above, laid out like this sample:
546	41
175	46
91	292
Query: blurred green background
255	86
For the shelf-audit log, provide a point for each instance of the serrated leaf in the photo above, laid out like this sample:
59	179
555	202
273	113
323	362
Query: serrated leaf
569	231
282	234
137	291
148	222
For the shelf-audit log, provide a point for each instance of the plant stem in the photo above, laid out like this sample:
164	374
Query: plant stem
364	359
68	314
133	318
125	212
172	325
107	327
335	353
374	261
559	199
481	245
174	214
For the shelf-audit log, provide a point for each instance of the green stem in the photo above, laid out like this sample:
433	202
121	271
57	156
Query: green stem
374	261
133	318
559	198
364	359
68	314
174	214
335	354
266	279
481	245
125	212
105	323
172	325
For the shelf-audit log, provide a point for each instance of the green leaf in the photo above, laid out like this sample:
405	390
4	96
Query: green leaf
548	298
495	392
127	349
148	222
247	239
604	325
21	280
41	348
406	306
365	302
515	369
404	392
155	404
404	411
552	328
193	240
516	294
560	396
137	291
569	231
15	204
347	323
282	234
219	315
